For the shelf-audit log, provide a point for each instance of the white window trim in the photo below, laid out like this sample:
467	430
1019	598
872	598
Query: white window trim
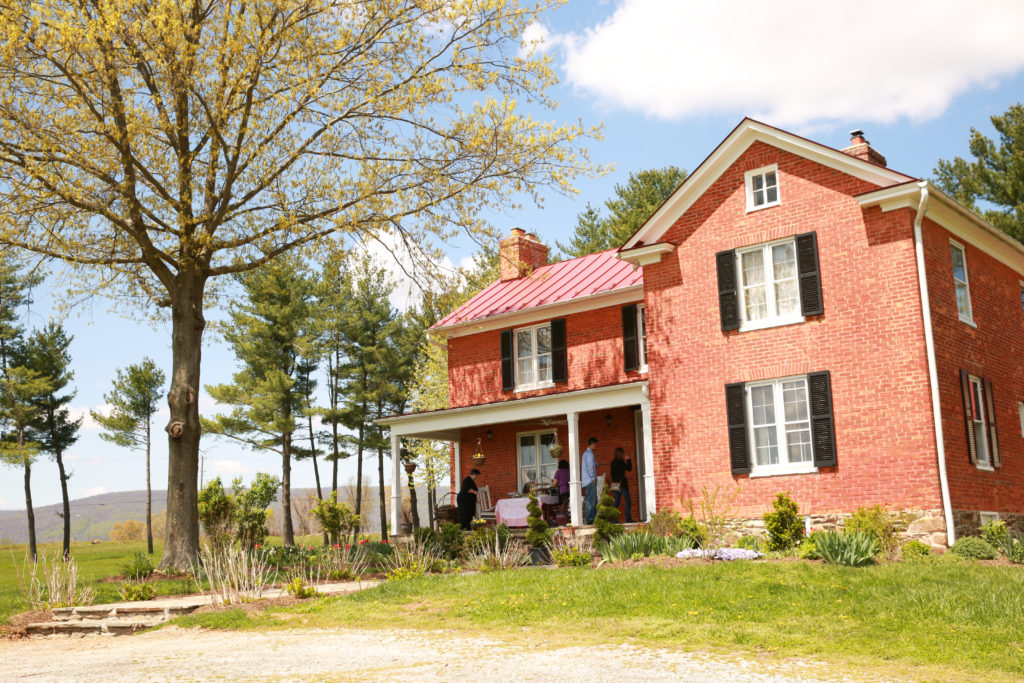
781	468
770	321
519	463
985	516
982	409
641	337
969	318
748	184
515	359
1020	411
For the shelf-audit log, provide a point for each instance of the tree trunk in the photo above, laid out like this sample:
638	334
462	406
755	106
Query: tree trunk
288	531
359	477
28	509
67	503
149	494
413	504
181	545
332	391
316	470
383	494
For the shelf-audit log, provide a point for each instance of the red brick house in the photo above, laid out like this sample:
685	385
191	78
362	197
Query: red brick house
793	318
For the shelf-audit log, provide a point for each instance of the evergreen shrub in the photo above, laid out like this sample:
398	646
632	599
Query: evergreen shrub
973	548
784	524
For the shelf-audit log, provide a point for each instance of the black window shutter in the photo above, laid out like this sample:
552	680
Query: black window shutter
810	274
508	379
823	428
629	338
728	292
559	360
736	414
990	413
965	388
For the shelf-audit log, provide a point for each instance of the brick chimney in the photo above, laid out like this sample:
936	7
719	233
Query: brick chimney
520	255
862	149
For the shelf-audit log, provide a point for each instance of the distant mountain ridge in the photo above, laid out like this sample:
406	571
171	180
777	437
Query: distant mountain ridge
93	517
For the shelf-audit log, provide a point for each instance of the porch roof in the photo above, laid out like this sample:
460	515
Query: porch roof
445	425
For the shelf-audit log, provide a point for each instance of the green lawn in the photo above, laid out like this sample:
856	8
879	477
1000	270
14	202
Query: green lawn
934	621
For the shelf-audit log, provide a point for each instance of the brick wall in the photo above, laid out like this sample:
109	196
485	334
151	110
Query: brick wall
993	350
594	356
870	338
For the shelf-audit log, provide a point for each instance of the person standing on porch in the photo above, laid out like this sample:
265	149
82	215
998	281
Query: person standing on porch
466	500
620	484
589	481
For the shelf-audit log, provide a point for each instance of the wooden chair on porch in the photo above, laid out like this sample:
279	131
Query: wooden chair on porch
484	506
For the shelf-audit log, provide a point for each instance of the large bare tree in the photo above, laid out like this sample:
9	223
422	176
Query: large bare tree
159	145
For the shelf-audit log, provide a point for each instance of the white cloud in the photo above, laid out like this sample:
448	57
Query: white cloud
407	265
536	37
234	467
89	424
798	63
95	491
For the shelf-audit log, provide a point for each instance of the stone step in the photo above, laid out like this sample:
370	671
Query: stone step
122	611
91	627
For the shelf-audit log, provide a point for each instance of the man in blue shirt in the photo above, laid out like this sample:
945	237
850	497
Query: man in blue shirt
589	481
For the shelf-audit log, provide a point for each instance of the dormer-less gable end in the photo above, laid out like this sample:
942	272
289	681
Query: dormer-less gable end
648	243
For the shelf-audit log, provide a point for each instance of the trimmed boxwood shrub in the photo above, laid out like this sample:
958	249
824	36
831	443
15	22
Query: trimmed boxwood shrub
785	525
973	548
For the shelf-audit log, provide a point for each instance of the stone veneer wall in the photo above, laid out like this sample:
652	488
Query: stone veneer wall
967	522
925	525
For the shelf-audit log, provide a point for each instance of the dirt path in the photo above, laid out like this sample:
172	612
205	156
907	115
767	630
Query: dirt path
173	654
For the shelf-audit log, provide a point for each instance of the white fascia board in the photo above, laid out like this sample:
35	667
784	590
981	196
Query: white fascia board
954	217
746	134
446	423
534	314
644	256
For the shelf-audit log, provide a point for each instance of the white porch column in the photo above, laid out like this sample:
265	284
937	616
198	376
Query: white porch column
645	416
575	490
456	469
396	482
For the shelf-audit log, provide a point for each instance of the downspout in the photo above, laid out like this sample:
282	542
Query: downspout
933	373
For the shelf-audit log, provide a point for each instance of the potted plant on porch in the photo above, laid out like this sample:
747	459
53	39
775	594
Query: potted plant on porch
539	535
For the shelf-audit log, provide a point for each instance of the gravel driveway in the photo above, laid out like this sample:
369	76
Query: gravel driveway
174	654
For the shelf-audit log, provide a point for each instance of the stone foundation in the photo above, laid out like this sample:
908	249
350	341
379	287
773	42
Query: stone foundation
927	526
967	522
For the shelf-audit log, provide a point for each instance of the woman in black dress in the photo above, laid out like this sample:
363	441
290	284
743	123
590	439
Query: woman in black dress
466	500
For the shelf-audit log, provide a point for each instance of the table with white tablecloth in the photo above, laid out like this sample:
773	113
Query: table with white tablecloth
512	511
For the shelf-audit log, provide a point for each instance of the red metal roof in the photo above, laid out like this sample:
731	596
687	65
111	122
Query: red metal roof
555	283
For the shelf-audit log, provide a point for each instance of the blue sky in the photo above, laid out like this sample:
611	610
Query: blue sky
667	80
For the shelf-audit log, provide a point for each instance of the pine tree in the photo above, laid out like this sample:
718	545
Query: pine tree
47	353
995	177
133	400
629	208
267	333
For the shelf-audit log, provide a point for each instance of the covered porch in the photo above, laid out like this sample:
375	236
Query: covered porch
520	442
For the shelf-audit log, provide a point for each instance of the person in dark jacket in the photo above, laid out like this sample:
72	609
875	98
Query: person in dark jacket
466	499
619	468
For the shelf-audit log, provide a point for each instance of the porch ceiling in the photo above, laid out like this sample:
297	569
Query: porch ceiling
444	425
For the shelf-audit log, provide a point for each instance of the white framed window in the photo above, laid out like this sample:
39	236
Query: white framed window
641	336
769	285
987	517
979	423
960	283
536	464
779	427
533	357
1020	412
762	187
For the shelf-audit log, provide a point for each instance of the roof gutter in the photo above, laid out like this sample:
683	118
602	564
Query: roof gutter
933	373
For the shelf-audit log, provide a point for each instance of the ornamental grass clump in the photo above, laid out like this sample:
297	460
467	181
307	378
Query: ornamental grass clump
973	548
784	524
572	551
52	582
849	549
1013	548
632	545
139	566
411	559
234	574
498	554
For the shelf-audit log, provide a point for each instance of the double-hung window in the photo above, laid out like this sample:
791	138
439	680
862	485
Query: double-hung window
762	187
769	284
533	357
536	464
780	426
963	290
979	423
